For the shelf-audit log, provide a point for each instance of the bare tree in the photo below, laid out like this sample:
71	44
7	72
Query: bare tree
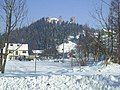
14	13
112	25
104	22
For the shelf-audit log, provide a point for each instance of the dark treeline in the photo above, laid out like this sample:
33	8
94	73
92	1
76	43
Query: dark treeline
44	35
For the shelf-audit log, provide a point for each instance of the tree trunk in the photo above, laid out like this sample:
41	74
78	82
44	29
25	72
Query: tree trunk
7	39
4	63
1	58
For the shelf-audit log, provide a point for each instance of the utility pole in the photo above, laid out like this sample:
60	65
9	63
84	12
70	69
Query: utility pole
63	51
35	63
63	45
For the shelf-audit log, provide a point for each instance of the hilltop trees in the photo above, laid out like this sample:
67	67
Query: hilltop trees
46	35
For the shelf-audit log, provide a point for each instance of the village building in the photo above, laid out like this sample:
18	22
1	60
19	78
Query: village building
16	51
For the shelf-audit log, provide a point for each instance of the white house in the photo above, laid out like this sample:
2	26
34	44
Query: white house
16	50
67	47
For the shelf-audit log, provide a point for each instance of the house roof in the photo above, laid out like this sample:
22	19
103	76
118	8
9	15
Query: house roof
18	46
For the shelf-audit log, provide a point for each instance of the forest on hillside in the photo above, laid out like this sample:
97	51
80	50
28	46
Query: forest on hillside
45	35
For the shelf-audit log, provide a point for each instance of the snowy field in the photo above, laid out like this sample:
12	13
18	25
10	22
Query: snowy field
20	75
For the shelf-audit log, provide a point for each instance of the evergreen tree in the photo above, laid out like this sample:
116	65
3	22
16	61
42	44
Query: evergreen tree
114	22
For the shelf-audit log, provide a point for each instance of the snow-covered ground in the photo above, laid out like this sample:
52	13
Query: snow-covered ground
20	75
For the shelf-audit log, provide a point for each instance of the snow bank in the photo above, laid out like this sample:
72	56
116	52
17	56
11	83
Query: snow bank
59	76
61	82
113	69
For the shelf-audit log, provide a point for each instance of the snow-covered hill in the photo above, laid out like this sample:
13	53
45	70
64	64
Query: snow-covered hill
20	75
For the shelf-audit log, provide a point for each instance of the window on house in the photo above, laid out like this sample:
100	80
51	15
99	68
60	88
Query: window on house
10	57
18	45
16	52
24	51
11	44
11	51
